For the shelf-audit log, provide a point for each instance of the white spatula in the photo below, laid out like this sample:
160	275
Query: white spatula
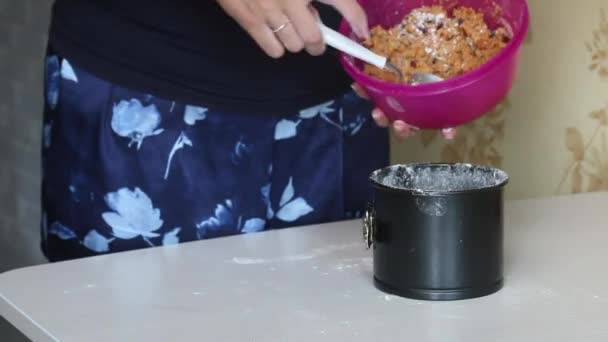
339	41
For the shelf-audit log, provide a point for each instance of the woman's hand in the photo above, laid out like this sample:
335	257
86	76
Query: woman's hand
292	25
279	25
401	129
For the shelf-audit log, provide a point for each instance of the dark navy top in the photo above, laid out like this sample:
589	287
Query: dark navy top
191	51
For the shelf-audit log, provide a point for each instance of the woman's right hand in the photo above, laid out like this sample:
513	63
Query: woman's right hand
279	25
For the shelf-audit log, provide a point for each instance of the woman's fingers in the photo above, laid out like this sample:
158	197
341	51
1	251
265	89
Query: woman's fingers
379	117
403	130
448	133
305	24
250	16
286	31
353	13
276	25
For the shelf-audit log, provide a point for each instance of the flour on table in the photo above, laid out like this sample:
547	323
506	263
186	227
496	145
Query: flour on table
315	253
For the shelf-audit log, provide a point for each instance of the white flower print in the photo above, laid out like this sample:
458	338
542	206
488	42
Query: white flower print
224	221
130	119
323	108
61	231
52	81
290	209
293	210
93	240
288	193
192	114
97	242
133	214
222	217
67	72
171	238
181	141
240	150
253	225
355	126
265	190
286	129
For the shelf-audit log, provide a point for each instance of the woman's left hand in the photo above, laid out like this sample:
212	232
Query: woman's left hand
401	129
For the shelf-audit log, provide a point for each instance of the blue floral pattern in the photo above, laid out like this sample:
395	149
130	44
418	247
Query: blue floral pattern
290	208
92	240
52	81
133	214
97	242
180	143
61	231
171	237
195	172
226	218
67	72
131	119
192	114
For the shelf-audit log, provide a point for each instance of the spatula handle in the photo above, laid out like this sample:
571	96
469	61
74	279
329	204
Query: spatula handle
348	46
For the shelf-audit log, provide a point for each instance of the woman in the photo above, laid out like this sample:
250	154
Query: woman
175	120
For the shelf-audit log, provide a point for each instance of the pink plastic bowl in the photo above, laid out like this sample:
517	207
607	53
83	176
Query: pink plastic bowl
452	102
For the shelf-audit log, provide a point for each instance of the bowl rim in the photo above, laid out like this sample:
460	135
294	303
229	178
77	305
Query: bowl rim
445	86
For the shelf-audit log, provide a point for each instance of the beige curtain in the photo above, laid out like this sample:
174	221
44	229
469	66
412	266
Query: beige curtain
550	134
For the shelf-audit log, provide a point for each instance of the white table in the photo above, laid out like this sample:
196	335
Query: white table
315	284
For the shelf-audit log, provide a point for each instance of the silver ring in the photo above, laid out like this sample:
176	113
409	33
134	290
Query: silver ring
281	27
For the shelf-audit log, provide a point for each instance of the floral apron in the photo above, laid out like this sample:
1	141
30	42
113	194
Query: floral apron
124	170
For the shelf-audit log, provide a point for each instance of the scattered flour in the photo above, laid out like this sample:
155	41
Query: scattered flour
292	258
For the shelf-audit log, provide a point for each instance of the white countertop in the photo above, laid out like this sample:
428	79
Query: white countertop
315	284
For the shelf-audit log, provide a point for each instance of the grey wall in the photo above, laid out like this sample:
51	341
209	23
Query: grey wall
23	27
